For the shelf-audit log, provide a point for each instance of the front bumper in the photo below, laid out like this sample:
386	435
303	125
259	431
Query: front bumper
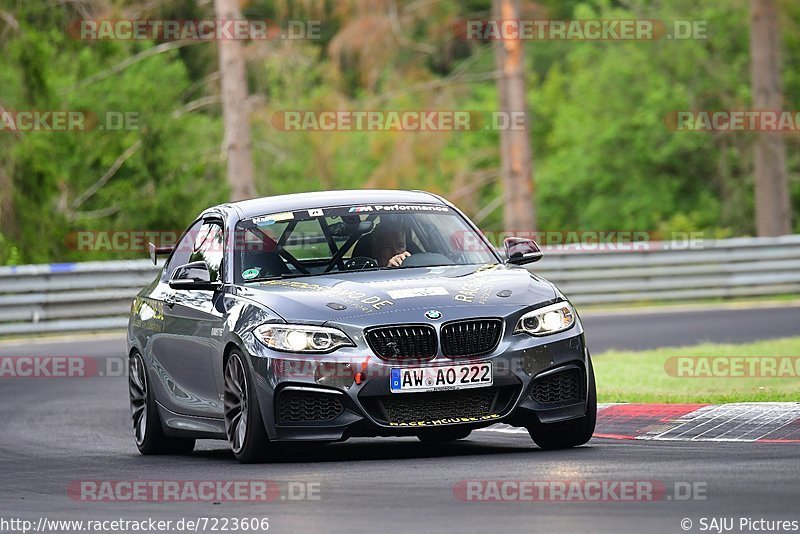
535	380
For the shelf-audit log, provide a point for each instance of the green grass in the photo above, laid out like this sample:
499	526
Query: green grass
626	376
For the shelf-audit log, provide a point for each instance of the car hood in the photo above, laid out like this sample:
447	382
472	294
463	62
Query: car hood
386	296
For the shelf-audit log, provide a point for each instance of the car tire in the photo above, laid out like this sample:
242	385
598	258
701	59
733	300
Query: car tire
574	432
148	432
243	423
444	435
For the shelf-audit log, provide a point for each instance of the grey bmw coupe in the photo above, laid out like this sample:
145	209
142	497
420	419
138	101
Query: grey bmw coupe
321	316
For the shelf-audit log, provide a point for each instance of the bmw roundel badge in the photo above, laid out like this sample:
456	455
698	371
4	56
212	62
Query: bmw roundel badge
433	314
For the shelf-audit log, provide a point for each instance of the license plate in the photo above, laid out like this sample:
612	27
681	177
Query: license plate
415	379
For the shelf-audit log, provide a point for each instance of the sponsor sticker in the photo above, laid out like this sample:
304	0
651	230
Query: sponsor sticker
249	274
448	421
275	217
372	301
399	207
418	292
149	309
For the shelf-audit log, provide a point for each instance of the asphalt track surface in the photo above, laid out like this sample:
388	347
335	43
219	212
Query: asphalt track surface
59	431
648	330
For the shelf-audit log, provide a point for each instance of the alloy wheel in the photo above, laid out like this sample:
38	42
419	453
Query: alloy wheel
236	403
137	386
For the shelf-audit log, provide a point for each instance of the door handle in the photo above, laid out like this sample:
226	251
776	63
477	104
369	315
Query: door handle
170	301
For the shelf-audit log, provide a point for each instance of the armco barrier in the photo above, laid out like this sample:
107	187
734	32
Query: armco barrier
97	295
724	268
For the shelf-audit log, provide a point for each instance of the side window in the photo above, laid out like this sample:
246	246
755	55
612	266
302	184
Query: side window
209	247
184	249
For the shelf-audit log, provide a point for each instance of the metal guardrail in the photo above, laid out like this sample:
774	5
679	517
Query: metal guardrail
97	295
68	297
726	268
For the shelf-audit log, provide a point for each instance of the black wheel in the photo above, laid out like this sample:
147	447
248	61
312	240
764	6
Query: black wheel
573	432
243	423
442	435
147	429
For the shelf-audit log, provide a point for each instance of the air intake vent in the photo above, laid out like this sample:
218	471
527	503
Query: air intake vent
403	342
412	407
304	406
472	337
558	387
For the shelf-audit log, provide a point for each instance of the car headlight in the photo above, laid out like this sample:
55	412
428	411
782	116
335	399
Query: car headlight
548	320
301	338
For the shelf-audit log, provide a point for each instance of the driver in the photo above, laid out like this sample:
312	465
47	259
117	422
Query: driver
389	246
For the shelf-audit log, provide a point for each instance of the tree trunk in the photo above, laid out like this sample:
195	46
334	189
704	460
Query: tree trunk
519	214
773	207
233	80
8	216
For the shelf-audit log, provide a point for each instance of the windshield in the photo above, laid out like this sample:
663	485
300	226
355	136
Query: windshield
351	238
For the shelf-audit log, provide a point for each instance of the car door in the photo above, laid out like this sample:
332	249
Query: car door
191	322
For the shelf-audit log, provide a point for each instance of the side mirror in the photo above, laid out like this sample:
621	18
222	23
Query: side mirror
520	251
195	275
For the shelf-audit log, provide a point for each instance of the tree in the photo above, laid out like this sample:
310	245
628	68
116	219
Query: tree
772	200
238	142
515	151
8	216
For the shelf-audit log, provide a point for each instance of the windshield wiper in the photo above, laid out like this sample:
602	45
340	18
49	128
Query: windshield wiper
278	277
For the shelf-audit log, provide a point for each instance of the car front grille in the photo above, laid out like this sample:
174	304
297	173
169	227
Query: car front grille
305	406
558	387
411	407
403	342
472	337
